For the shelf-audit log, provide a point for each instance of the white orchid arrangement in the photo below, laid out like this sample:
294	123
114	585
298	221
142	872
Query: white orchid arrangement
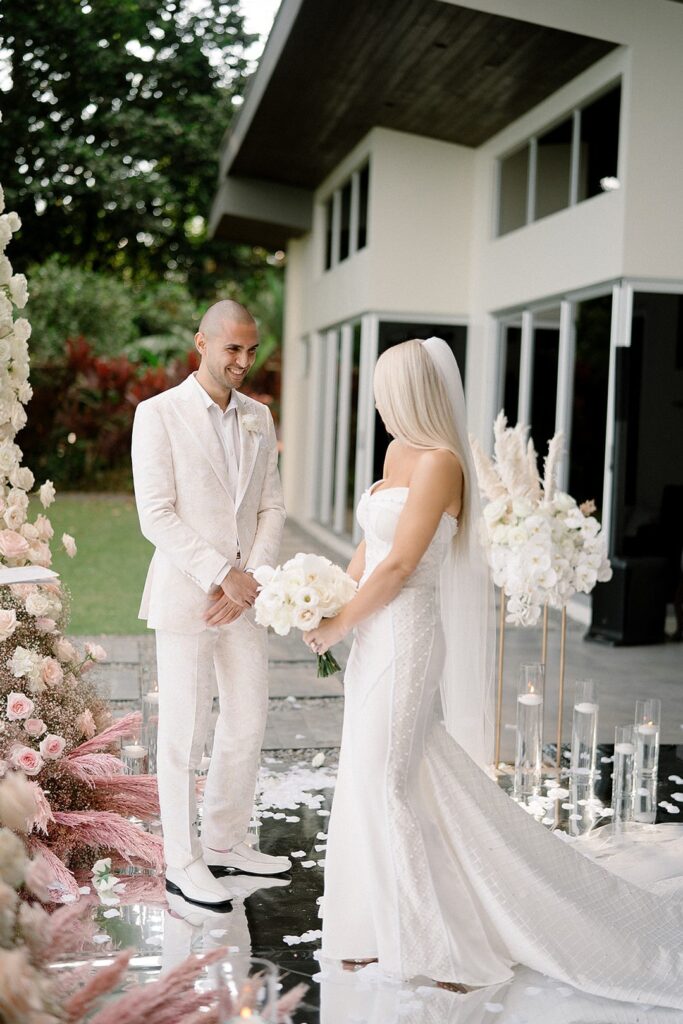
299	594
542	546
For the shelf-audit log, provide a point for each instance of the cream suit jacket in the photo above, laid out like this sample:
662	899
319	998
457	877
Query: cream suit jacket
185	509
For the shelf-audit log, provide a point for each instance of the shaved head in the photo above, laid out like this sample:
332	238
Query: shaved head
227	311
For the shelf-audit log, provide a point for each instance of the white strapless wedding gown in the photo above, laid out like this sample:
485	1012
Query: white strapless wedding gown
430	866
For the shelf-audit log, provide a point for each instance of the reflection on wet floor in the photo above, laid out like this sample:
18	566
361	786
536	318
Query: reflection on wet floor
277	918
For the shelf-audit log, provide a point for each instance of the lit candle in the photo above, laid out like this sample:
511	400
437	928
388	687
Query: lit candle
649	729
533	699
134	750
624	748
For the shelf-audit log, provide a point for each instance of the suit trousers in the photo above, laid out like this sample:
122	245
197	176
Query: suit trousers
189	666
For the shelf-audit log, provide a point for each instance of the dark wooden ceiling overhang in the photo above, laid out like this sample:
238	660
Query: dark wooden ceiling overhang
334	69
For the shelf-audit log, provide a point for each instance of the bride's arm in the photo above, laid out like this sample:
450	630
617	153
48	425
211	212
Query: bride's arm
436	484
356	566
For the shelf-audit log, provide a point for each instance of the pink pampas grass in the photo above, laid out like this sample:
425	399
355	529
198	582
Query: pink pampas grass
98	984
166	1001
136	795
108	831
43	815
90	767
63	881
121	727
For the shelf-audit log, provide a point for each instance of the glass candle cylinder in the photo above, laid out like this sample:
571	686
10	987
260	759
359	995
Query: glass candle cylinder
248	990
646	736
529	739
622	776
135	754
584	729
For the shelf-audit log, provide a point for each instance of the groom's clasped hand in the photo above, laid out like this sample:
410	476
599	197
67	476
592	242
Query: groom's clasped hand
236	593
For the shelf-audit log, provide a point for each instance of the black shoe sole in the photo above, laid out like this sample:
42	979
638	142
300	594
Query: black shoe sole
220	871
223	905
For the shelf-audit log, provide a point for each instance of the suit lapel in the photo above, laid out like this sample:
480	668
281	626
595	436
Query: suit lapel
249	448
195	417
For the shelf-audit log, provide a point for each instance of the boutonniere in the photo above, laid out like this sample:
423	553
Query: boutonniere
250	422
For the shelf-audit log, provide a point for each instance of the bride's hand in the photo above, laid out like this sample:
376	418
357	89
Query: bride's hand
328	633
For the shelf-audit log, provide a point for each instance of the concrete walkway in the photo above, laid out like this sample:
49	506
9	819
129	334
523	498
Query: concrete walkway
306	712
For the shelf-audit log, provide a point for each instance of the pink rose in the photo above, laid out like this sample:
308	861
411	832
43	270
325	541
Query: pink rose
18	706
86	723
96	652
35	727
46	625
26	760
51	671
44	527
65	651
52	746
12	544
22	590
69	544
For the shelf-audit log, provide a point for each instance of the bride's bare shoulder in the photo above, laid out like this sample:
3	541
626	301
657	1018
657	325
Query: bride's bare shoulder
440	462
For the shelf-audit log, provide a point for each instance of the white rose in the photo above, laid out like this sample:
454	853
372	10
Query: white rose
5	231
18	417
14	517
22	662
96	652
495	509
18	499
10	455
38	603
5	351
22	477
307	618
5	270
47	493
14	220
18	288
25	392
65	651
69	544
22	330
8	623
563	502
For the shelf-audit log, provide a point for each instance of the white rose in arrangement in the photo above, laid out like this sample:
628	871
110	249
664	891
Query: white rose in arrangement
8	623
10	456
22	330
18	418
46	493
25	392
14	220
6	312
18	288
38	603
5	351
24	662
5	270
69	545
5	231
65	651
22	477
14	517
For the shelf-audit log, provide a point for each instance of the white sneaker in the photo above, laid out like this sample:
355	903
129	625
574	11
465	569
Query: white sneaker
244	860
196	884
197	915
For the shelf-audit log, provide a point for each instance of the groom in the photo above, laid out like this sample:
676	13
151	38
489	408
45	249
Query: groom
209	499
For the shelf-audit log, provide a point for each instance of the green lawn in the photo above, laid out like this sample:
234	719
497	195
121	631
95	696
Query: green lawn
107	575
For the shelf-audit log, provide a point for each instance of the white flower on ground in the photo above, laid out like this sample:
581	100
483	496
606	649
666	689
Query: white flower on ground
18	706
47	493
69	544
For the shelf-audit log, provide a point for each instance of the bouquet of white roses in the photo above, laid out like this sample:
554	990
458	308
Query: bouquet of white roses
299	594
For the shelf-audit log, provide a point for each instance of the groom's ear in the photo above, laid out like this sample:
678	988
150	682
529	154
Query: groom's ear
200	342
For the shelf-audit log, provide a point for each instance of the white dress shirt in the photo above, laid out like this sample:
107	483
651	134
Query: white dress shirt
227	430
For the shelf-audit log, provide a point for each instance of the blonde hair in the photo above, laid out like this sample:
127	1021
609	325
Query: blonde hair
412	399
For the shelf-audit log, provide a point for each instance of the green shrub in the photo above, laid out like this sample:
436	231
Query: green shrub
68	301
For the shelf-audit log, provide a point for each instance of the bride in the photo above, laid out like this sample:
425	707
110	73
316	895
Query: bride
430	868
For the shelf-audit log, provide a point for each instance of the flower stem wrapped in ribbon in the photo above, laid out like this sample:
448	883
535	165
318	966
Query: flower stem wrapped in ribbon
299	595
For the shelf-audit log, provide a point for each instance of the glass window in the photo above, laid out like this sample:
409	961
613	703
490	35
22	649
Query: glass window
589	407
546	342
363	193
329	208
345	225
514	180
512	352
599	145
553	170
